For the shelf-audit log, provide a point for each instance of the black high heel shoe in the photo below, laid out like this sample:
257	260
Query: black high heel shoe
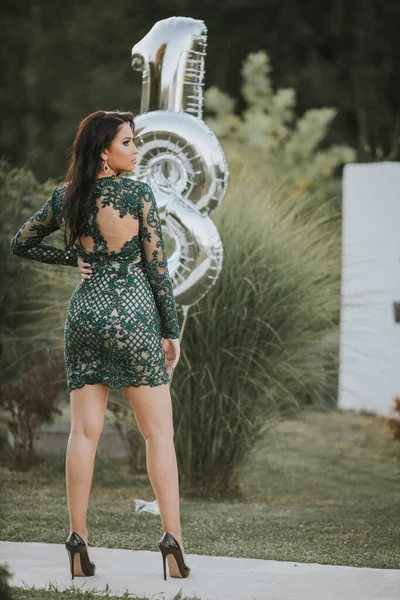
75	544
170	545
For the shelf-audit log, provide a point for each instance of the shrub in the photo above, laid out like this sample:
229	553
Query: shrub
24	292
28	402
263	342
268	134
31	366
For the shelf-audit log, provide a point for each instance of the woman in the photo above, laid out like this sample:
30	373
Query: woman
112	335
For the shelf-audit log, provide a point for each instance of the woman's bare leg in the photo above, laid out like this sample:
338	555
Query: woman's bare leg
88	406
153	412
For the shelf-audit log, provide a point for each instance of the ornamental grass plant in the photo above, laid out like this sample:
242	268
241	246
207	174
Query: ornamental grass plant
263	343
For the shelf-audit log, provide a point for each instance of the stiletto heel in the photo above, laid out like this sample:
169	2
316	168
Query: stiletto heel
168	544
71	554
164	557
75	544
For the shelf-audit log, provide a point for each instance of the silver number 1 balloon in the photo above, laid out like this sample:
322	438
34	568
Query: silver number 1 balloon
179	156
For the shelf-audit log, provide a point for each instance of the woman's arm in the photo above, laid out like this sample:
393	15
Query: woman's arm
155	261
27	242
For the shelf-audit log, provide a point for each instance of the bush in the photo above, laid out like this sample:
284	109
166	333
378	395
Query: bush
28	402
24	288
30	363
263	342
268	134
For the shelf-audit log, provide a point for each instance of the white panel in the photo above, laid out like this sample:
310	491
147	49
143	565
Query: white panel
370	337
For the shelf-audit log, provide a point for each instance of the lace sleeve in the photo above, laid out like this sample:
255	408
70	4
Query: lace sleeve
155	261
28	243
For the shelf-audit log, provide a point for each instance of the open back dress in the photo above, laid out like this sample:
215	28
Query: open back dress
115	319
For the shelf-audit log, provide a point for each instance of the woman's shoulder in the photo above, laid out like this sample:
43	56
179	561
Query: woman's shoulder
138	189
57	194
124	181
60	190
134	184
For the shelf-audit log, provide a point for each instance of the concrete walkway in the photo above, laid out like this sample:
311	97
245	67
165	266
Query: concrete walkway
211	577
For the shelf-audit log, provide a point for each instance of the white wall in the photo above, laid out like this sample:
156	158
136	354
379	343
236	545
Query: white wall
370	338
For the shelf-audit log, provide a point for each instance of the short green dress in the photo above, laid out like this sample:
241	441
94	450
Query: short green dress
117	318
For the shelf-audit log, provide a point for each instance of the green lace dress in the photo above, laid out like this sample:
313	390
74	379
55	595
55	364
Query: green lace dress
115	319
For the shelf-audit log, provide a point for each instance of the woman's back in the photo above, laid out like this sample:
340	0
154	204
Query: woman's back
121	216
115	213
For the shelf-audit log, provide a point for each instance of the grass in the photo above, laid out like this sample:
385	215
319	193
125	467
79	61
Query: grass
321	488
73	593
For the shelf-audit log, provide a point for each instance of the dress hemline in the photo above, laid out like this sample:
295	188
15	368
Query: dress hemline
115	386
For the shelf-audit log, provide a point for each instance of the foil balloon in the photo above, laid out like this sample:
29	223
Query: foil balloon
179	156
171	57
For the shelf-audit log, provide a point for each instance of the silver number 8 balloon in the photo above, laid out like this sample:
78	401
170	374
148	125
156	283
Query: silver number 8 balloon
179	156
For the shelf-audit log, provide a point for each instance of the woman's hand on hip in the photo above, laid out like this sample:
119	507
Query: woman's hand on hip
172	352
84	269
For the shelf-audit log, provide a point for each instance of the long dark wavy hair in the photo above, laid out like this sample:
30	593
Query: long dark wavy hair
95	133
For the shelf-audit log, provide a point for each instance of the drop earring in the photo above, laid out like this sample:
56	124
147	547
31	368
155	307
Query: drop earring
106	168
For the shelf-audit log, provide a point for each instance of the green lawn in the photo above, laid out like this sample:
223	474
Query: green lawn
320	488
52	593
